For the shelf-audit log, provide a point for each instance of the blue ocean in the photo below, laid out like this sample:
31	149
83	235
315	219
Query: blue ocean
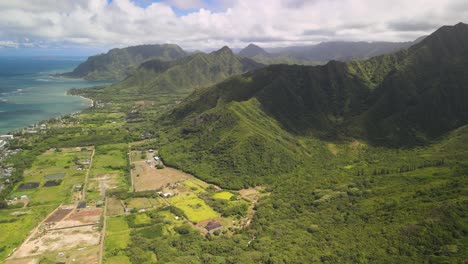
28	94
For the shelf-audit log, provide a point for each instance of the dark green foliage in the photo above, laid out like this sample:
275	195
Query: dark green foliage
182	76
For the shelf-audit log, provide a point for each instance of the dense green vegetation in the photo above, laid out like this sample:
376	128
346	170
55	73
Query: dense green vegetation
362	162
184	75
119	63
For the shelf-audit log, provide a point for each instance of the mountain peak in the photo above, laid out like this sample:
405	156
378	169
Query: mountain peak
252	50
224	50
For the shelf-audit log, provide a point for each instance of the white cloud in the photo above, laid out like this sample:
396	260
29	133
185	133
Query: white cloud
266	22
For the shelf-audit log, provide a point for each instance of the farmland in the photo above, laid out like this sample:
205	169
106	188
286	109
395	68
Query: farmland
193	207
59	164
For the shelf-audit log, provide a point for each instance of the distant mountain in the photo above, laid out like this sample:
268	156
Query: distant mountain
340	50
184	75
253	50
253	124
323	52
258	54
117	64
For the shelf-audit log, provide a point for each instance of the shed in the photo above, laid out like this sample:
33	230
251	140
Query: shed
212	226
81	205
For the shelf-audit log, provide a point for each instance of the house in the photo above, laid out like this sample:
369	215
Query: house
100	203
157	158
78	187
23	197
213	226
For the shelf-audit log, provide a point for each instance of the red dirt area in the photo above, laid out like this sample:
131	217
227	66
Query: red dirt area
58	215
86	215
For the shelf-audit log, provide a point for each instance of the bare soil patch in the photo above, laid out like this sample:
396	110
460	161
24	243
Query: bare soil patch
23	261
250	194
58	215
146	177
86	216
107	182
58	240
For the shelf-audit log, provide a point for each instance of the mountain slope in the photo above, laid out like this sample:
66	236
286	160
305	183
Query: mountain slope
426	96
253	125
184	75
119	63
252	50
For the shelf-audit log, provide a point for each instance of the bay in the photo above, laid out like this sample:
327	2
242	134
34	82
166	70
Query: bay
29	94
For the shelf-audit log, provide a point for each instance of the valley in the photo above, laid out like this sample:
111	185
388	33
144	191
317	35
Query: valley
181	162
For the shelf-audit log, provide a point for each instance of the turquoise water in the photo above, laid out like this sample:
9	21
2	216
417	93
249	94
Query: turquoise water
28	94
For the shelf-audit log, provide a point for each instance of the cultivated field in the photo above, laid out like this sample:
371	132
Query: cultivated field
60	165
194	208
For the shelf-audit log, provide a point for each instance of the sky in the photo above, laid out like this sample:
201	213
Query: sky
90	26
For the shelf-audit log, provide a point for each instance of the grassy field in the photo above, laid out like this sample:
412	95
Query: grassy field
194	208
109	170
117	236
15	226
141	203
120	259
225	195
114	207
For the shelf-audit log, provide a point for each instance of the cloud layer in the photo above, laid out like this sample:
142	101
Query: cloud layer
211	24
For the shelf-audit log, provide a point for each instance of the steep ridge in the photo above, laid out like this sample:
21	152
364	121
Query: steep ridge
255	123
184	75
419	91
117	64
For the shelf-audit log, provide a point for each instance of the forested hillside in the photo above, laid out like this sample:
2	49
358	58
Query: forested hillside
117	64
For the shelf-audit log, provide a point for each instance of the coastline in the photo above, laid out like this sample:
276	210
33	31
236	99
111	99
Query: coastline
91	101
90	104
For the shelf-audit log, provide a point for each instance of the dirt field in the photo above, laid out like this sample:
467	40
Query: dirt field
106	182
66	229
23	261
55	240
86	216
58	215
250	194
146	177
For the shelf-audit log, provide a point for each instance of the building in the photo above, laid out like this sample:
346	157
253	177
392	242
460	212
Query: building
6	137
3	144
100	203
213	226
167	195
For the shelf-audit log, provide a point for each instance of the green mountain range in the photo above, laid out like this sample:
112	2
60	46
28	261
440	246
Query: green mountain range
402	99
117	64
323	52
183	75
